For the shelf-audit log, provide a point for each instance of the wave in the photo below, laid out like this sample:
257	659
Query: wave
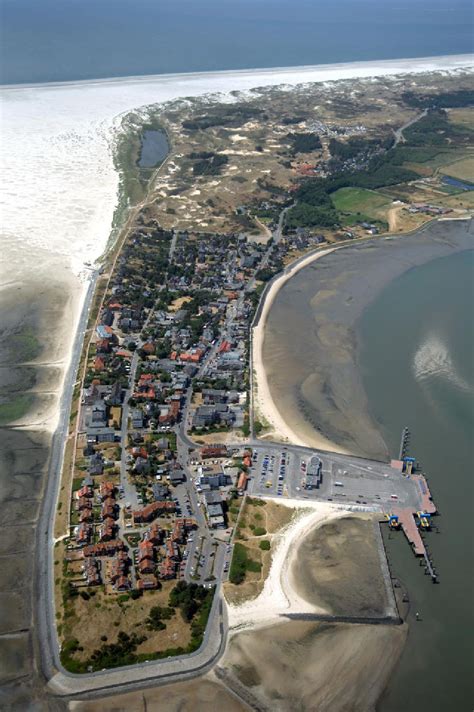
433	360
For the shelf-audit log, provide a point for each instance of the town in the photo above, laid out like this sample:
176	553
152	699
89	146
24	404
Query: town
165	440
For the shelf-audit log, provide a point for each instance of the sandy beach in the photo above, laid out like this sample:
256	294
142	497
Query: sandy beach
277	427
279	595
326	561
311	323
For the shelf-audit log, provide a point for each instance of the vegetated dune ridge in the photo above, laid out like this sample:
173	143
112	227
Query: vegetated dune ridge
311	327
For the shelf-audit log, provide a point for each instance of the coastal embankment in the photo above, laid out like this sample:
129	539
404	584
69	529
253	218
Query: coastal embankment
305	357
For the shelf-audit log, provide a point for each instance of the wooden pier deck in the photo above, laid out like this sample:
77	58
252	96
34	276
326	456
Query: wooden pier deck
411	531
408	524
427	504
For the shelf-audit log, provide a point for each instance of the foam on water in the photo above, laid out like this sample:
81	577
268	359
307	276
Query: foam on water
60	184
433	360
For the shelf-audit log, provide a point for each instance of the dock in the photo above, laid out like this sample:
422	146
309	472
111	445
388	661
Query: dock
427	504
404	443
410	529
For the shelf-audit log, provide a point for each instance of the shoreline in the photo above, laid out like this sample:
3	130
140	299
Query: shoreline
279	595
330	387
430	63
263	401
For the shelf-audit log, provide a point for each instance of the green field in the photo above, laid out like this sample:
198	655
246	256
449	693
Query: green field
358	200
439	160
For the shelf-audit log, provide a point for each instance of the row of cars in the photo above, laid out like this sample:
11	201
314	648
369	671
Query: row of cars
267	471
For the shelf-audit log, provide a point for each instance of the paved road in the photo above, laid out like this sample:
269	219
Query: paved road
45	641
129	490
399	132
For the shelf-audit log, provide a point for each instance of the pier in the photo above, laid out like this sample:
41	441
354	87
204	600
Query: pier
405	439
406	521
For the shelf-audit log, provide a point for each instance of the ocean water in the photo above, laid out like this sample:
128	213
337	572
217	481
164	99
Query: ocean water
417	359
54	40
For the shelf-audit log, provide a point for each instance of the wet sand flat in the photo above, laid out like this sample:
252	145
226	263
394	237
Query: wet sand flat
311	330
36	318
337	566
200	695
311	666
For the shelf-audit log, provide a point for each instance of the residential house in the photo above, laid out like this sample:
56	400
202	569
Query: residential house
83	534
108	548
152	511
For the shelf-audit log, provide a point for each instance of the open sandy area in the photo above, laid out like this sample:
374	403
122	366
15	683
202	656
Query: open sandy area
312	666
200	695
279	595
337	566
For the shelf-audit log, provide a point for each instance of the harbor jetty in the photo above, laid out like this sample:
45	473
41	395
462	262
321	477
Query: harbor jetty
412	522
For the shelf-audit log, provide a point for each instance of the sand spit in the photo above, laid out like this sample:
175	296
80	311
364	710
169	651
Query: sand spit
326	561
279	595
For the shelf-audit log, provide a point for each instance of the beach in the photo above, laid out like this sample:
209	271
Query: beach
276	426
311	323
279	595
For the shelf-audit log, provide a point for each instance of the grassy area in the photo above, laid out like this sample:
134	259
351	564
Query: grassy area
358	200
463	117
462	170
252	555
241	563
106	630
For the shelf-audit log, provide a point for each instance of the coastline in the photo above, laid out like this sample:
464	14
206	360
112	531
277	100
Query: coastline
72	257
333	664
384	66
263	403
279	595
316	313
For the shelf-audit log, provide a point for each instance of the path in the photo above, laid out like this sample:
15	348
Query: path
399	132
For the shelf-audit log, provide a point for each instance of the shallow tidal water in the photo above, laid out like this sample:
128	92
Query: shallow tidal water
417	361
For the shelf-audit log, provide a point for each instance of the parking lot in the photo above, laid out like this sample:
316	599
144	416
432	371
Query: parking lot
281	472
273	471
